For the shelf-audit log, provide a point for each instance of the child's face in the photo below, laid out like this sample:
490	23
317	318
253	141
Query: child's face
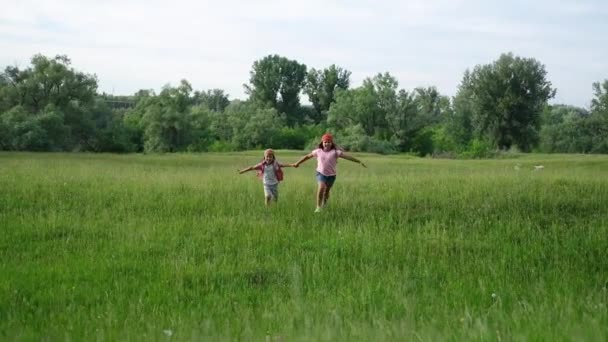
269	158
327	145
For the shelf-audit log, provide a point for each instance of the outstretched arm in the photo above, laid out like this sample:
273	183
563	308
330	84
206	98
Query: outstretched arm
287	165
303	159
247	169
351	158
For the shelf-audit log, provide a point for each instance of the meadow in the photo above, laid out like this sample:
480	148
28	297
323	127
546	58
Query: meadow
181	247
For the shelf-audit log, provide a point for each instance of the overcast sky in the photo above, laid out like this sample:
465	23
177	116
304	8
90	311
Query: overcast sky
132	45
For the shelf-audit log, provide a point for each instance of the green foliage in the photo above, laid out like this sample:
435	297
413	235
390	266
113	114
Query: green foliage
293	138
47	82
366	106
570	129
200	121
252	126
384	114
23	131
402	120
166	120
52	107
599	105
222	146
354	139
459	125
432	107
51	121
422	143
478	149
278	81
321	86
214	99
508	97
442	142
557	114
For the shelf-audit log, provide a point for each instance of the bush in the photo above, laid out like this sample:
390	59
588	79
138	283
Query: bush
422	143
221	146
289	138
354	139
443	143
478	149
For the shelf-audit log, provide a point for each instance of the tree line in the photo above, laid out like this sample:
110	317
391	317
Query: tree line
503	105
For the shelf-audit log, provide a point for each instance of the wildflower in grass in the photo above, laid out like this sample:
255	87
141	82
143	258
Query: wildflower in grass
327	155
269	170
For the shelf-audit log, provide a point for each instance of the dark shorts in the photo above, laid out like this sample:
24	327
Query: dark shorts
329	180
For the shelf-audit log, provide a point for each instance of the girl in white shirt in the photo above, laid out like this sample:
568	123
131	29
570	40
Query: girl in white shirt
270	172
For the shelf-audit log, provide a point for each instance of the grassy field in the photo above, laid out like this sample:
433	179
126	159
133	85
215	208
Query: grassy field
181	247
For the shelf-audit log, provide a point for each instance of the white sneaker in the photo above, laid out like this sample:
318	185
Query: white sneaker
318	210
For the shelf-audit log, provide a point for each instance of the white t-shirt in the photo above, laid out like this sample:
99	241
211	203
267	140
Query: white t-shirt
270	176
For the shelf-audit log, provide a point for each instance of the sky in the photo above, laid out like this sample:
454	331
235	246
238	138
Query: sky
133	45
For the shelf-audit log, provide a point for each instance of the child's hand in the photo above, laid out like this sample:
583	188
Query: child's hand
295	165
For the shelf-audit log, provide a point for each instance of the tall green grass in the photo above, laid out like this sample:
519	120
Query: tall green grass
145	247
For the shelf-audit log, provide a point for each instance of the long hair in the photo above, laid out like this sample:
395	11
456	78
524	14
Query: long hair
333	145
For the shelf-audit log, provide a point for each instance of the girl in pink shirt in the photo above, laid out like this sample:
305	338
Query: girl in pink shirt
327	157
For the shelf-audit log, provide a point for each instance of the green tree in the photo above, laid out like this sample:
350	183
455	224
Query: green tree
321	86
508	97
166	120
459	124
200	121
569	129
367	106
22	131
56	132
253	126
599	105
134	126
47	81
599	118
352	107
214	99
556	114
49	91
277	81
432	106
402	121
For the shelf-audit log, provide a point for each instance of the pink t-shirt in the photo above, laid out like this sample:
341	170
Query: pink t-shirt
326	161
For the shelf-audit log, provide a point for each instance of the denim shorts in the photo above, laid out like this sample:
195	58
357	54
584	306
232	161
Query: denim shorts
271	191
329	180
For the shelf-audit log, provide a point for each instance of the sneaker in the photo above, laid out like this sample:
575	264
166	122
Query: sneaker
318	210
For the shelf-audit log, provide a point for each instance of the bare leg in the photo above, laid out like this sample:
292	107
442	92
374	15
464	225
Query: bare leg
326	195
321	194
268	198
